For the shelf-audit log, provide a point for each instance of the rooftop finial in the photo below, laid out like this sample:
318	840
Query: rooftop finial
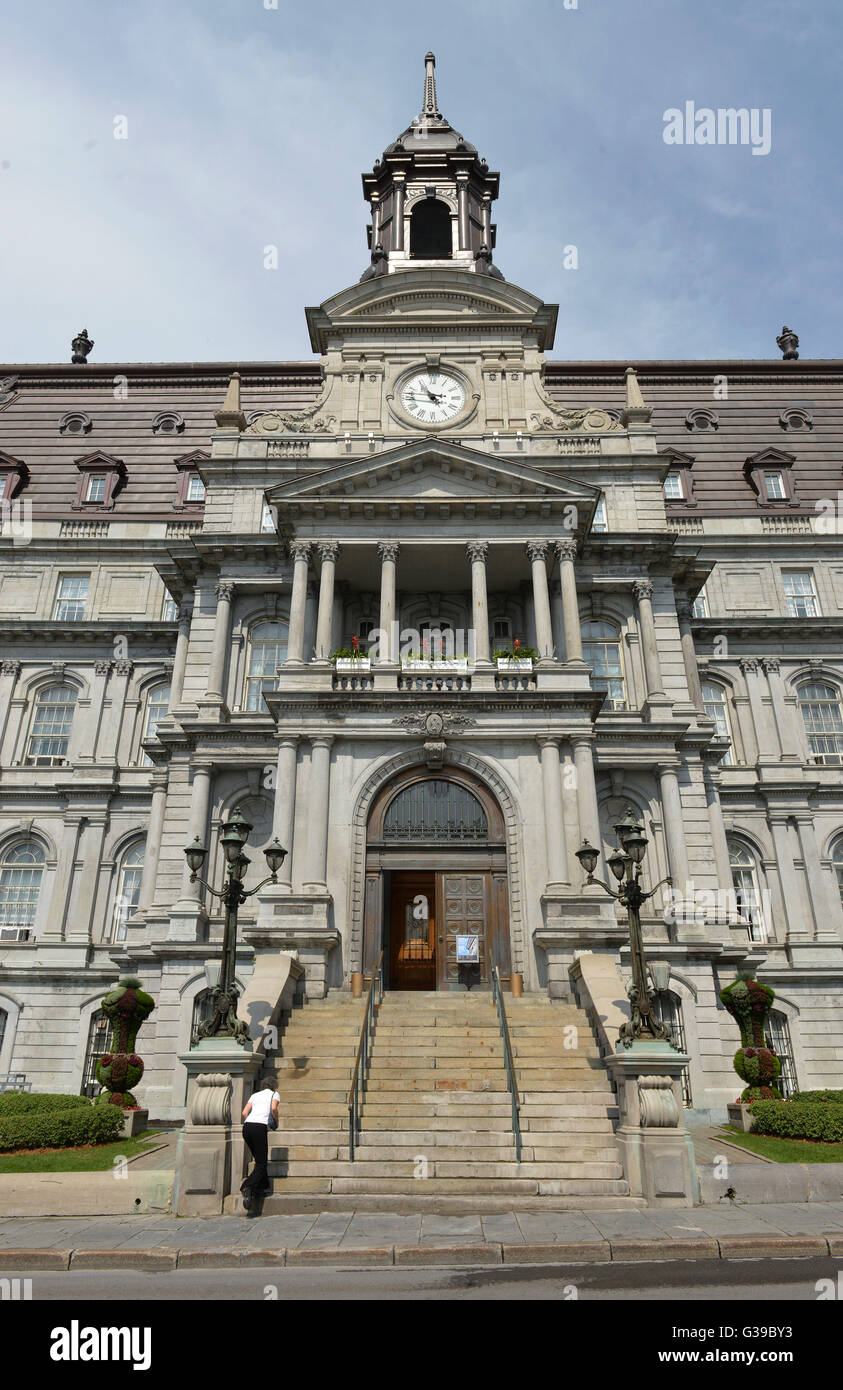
429	106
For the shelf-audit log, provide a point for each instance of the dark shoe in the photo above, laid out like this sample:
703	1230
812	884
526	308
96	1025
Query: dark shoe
247	1200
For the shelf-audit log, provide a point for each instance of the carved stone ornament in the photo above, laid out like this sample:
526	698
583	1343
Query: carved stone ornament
308	421
7	390
435	723
434	754
557	421
211	1103
658	1103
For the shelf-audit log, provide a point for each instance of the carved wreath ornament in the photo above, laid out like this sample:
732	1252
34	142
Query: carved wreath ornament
434	724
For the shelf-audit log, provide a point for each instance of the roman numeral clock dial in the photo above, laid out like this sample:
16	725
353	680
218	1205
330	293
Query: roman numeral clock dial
432	398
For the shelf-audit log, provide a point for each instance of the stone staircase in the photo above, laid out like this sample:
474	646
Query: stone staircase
436	1118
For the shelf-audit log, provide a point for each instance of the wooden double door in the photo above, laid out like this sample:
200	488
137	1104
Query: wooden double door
433	914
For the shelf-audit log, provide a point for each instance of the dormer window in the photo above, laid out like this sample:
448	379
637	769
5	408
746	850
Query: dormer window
699	420
673	487
770	475
796	418
168	422
14	474
75	422
678	485
101	478
191	483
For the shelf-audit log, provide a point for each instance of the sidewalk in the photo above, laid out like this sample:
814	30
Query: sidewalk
785	1230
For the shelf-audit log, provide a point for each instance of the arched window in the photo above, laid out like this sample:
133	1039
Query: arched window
668	1008
747	891
99	1036
435	810
778	1038
601	648
837	861
203	1008
128	890
157	703
4	1018
716	707
267	650
51	725
21	869
819	702
430	231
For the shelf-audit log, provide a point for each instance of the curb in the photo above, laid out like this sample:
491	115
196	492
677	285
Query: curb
166	1259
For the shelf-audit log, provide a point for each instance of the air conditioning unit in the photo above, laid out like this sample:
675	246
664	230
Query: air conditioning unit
14	933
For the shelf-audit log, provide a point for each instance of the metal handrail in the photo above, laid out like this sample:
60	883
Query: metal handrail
361	1061
497	995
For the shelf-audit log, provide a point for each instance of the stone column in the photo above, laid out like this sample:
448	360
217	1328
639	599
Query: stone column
799	928
328	553
717	826
62	882
300	552
674	828
316	849
90	737
222	640
180	659
152	853
9	673
536	553
398	213
81	923
477	551
566	552
762	724
783	715
388	552
110	736
822	888
199	801
587	808
689	655
643	590
554	825
462	206
487	219
284	812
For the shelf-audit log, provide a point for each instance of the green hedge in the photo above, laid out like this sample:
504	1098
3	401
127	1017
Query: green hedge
61	1129
826	1097
793	1119
24	1103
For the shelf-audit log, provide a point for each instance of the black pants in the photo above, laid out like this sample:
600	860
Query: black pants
257	1141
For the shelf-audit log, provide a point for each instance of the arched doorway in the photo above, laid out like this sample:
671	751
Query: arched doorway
436	882
430	231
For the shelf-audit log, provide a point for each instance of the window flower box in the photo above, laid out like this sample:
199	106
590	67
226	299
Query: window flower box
352	664
517	666
456	666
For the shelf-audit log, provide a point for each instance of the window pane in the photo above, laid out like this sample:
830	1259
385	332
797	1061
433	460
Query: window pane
195	489
667	1007
435	810
601	649
778	1038
157	704
774	483
20	884
267	651
51	724
823	718
99	1035
715	706
673	486
745	883
71	597
799	593
599	523
128	894
96	487
837	860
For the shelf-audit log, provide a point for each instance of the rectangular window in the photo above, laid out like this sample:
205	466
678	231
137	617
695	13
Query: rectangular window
800	594
267	523
599	523
170	611
699	608
673	487
195	489
71	598
774	483
96	488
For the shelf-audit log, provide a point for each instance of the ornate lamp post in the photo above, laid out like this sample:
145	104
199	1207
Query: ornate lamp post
224	1022
626	868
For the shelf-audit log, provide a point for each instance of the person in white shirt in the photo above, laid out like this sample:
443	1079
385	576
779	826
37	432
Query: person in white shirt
256	1114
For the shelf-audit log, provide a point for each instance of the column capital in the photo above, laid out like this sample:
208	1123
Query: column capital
102	668
124	668
536	550
770	663
224	590
748	664
329	550
287	740
642	588
321	740
583	740
11	668
388	550
477	550
683	611
548	741
566	550
299	550
185	612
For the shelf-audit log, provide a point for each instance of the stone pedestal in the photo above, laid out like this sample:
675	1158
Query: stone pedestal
211	1158
134	1122
300	925
740	1116
656	1148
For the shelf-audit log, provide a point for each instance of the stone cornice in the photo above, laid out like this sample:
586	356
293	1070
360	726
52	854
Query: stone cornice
101	631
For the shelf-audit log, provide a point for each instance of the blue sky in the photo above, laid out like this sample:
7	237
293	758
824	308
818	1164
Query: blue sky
250	126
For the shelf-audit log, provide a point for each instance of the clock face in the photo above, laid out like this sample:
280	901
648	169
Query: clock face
432	397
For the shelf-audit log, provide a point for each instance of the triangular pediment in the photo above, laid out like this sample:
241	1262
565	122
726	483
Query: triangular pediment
436	471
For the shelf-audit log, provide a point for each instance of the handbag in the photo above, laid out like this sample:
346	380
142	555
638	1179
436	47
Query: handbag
271	1122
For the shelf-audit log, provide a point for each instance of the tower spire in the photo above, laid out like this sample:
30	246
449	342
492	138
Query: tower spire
429	104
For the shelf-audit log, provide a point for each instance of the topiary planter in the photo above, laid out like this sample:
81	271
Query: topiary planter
749	1003
120	1068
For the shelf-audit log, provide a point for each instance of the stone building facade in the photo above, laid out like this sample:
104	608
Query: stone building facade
186	549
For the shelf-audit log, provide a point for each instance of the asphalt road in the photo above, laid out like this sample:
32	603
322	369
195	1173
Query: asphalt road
692	1281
